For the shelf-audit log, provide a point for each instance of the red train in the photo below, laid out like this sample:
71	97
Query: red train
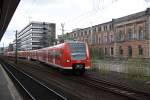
70	55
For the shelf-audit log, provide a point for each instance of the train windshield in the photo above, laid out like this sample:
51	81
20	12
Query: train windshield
78	51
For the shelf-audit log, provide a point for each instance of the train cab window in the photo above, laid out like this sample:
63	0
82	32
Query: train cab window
76	47
77	50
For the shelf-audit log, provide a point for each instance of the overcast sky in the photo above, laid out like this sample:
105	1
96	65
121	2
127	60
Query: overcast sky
73	13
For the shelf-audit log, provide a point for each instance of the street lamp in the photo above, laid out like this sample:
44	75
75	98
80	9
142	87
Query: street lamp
16	51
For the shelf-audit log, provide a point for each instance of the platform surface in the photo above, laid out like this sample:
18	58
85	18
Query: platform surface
7	89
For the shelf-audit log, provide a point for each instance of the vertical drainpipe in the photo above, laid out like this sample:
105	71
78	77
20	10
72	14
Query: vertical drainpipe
126	39
147	31
115	38
91	34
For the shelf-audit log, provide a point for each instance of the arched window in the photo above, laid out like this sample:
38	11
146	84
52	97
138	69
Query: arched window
141	33
112	51
140	48
129	51
99	40
121	35
130	34
105	51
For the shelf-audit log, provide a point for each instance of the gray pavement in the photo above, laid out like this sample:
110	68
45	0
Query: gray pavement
7	89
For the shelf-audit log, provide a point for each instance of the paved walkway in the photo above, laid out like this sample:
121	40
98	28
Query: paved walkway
7	89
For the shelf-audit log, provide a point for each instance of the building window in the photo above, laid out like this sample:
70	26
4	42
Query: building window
81	33
99	40
94	41
112	51
89	31
120	50
99	29
85	32
141	33
140	48
105	51
110	26
94	30
111	38
121	36
36	43
129	51
78	33
105	28
105	39
130	34
74	34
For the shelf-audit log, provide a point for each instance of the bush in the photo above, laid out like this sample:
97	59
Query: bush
134	68
96	53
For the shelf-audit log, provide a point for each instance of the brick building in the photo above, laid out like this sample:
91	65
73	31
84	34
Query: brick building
132	35
127	36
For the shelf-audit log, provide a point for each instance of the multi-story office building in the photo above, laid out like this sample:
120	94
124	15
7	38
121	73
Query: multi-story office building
36	35
127	36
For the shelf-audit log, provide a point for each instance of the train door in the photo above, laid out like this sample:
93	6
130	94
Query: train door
47	55
61	56
53	56
43	55
57	56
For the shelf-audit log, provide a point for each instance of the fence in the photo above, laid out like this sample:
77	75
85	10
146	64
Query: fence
132	68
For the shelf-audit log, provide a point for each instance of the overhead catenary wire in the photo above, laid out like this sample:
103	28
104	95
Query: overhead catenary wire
88	15
30	8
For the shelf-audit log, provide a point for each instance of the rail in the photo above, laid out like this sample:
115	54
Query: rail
116	88
34	88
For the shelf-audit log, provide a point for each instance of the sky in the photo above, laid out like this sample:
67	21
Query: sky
72	13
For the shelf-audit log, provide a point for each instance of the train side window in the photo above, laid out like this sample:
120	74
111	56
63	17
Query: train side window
50	54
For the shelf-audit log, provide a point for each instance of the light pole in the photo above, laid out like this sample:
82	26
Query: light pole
3	48
16	51
62	26
91	33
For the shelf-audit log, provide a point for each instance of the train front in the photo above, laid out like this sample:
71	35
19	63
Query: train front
79	54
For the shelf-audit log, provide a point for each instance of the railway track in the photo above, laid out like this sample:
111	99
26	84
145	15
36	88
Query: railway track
34	89
115	88
112	87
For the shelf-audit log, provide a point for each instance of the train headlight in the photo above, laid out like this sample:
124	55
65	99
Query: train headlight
67	60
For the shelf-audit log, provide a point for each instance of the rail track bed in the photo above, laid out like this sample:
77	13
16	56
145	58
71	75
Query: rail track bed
85	87
34	89
116	88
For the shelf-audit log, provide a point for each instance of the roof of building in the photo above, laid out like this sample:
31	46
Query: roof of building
34	22
133	16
